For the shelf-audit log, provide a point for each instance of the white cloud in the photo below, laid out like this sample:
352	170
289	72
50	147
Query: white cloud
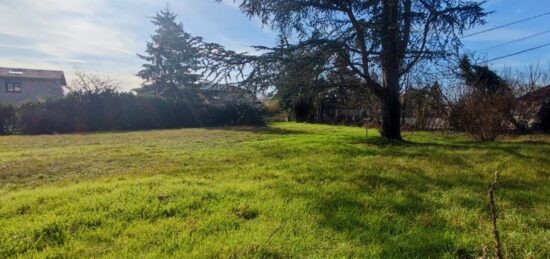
38	64
15	46
64	29
103	36
50	6
69	35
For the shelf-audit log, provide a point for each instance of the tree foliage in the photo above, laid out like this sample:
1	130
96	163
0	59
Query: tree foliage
314	96
381	40
172	59
428	105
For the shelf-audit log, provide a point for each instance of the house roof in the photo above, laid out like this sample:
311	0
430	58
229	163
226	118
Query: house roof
7	72
537	95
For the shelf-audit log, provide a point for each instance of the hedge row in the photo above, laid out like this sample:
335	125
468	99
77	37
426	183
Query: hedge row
109	111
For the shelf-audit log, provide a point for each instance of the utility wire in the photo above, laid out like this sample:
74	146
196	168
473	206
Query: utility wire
519	52
505	25
516	40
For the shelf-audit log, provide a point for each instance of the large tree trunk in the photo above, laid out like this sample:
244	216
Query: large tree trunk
391	105
391	113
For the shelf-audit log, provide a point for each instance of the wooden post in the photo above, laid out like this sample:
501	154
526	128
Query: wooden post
496	234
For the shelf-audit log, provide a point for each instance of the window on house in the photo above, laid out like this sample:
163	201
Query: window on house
13	87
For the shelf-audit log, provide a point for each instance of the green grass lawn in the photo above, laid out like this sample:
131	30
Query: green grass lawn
287	190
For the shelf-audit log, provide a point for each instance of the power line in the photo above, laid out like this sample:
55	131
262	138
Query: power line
519	52
516	40
505	25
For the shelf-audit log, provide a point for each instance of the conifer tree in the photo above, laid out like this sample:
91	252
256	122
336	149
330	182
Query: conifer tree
171	59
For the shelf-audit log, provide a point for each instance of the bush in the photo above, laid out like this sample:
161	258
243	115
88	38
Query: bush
484	110
481	116
241	114
7	119
109	110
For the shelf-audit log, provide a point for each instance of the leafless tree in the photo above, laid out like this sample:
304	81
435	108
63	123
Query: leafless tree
484	107
92	83
524	82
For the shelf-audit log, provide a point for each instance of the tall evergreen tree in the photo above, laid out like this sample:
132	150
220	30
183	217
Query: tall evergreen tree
171	59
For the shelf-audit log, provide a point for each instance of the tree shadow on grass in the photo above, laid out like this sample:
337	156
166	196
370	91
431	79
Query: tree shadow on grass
400	226
264	130
397	211
510	148
401	215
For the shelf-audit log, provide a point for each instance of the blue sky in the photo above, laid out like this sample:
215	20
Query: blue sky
506	11
103	36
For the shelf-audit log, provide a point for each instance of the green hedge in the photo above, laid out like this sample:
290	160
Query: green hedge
111	111
7	119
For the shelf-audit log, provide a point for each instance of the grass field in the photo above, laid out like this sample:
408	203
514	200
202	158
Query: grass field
287	190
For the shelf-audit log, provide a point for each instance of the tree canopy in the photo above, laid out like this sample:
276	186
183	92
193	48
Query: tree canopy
380	40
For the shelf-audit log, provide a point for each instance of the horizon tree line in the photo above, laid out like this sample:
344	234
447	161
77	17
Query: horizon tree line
326	49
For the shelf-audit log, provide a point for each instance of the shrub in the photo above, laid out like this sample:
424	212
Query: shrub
484	109
7	119
481	116
109	110
241	113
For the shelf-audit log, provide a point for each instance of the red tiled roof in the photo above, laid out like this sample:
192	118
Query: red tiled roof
6	72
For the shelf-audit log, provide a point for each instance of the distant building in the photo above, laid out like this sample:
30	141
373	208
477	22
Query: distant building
529	105
19	85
